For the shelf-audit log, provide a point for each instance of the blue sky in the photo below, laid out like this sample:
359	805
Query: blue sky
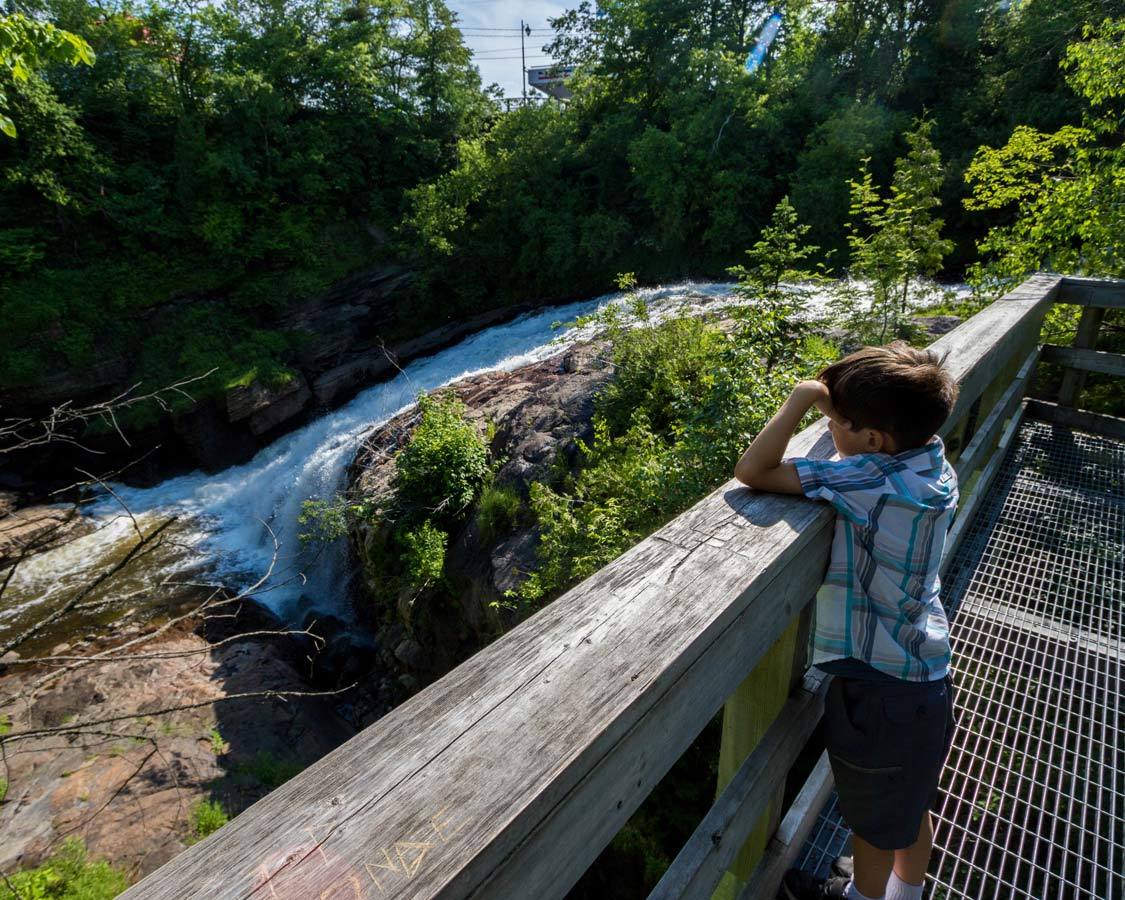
496	52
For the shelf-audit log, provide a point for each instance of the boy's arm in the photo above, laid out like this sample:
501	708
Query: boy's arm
761	466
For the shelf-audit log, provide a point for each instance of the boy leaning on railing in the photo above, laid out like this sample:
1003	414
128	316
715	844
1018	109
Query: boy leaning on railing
880	627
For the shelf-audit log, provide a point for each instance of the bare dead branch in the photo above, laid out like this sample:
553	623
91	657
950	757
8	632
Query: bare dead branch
116	496
79	727
102	658
21	433
113	796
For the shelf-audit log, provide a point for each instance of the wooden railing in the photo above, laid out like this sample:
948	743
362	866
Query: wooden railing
508	776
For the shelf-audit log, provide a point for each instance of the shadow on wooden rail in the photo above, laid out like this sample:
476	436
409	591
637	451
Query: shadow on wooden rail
508	776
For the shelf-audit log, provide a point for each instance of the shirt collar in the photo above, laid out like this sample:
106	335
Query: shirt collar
925	458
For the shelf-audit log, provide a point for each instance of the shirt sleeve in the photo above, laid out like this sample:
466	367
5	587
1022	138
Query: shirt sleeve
852	485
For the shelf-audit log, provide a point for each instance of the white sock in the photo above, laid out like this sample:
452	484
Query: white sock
852	893
897	889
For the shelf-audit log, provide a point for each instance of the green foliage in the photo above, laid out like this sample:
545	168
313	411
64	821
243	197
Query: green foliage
423	554
327	519
440	471
498	511
218	744
771	322
656	369
3	789
27	45
1064	187
207	817
268	770
685	401
67	875
858	130
893	240
234	156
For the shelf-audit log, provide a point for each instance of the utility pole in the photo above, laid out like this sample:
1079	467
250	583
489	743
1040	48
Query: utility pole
523	63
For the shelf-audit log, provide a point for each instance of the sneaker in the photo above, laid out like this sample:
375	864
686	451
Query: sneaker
843	865
800	885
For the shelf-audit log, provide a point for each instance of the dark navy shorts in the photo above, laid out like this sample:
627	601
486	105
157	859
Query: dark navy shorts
887	743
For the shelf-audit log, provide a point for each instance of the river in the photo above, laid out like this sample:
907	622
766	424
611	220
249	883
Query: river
221	534
227	522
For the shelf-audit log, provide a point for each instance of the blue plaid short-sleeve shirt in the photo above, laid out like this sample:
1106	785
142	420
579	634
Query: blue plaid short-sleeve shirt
879	601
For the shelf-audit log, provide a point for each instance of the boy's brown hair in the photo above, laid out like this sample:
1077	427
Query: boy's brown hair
898	389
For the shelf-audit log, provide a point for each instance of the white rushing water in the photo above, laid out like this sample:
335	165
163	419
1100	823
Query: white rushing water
220	516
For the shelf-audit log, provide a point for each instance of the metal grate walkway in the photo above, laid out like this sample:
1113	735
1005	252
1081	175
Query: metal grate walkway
1033	799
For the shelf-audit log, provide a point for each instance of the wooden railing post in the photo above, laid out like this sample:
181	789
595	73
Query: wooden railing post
1085	339
747	716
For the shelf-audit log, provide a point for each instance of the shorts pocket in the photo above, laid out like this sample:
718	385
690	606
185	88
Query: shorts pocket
889	771
869	798
853	717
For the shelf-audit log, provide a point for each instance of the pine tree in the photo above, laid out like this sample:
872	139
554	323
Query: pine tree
894	240
910	208
770	321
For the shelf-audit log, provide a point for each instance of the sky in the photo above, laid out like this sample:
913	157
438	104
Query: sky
496	52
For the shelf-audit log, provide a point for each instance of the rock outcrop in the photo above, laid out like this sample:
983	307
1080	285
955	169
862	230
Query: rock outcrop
129	788
353	335
537	413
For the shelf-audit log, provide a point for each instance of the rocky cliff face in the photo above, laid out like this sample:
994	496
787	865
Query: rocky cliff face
129	788
538	412
345	351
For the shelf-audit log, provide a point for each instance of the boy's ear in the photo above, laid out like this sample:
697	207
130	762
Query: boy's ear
879	441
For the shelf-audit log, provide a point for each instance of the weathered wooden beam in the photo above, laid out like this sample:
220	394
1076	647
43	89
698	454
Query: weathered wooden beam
1085	338
989	430
1106	293
794	830
1086	360
748	715
980	347
715	843
1095	423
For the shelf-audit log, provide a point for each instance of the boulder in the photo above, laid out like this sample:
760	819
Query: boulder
265	407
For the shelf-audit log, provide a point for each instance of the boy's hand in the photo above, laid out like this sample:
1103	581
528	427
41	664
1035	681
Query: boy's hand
815	393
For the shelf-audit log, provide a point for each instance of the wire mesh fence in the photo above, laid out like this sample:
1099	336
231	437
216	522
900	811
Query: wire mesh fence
1033	793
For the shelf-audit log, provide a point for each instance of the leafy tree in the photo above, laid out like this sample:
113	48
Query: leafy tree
424	554
26	45
1063	188
832	151
771	322
914	197
894	239
441	470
